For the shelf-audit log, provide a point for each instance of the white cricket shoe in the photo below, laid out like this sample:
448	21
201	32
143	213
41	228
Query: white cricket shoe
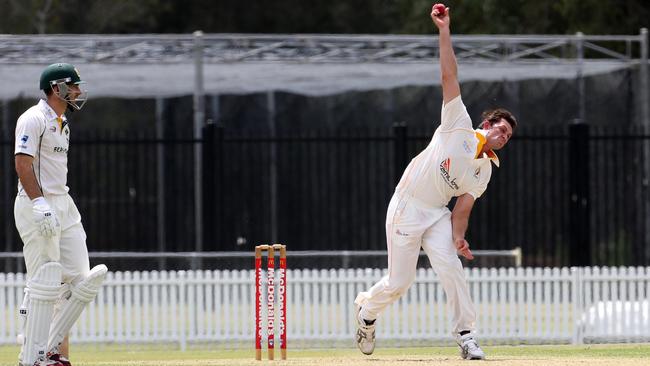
365	336
469	348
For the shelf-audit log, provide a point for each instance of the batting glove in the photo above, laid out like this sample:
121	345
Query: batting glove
44	217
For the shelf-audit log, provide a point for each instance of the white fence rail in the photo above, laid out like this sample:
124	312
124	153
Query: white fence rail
515	305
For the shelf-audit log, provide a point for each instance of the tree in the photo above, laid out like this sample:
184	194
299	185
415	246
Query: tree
325	16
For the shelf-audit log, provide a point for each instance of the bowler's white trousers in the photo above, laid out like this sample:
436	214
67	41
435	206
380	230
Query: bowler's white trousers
410	226
68	246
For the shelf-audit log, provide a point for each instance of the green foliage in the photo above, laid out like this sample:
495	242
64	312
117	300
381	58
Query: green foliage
78	16
324	16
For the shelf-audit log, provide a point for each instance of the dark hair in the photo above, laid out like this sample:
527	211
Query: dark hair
495	115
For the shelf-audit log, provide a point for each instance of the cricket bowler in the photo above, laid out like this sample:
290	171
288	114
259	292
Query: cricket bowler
456	163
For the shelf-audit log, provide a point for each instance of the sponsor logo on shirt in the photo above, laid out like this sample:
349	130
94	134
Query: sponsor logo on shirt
477	173
24	139
466	147
60	149
445	167
52	128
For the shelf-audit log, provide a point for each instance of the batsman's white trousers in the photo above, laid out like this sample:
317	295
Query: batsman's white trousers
411	225
68	246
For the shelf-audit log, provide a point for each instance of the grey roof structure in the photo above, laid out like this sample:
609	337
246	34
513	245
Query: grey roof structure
164	65
143	81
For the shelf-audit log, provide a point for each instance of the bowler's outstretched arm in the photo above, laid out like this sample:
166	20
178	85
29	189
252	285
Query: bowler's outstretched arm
448	66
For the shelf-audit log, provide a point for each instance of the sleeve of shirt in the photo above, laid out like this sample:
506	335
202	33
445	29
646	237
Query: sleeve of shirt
454	115
479	188
28	134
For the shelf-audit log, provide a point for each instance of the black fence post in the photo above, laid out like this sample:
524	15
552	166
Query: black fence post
400	149
219	187
580	246
209	199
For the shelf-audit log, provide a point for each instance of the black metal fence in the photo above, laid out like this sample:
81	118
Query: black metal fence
571	197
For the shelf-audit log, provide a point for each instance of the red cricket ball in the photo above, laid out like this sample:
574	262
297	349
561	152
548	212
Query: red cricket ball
441	9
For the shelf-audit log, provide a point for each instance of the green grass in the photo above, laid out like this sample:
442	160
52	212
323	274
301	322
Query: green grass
169	354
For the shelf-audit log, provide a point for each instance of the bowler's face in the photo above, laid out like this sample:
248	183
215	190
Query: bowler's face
498	135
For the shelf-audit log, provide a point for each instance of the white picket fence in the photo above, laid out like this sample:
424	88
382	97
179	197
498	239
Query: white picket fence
515	305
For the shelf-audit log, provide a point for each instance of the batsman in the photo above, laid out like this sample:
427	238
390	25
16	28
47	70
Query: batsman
456	163
60	282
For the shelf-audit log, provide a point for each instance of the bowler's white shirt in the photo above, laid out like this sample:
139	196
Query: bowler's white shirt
450	165
45	136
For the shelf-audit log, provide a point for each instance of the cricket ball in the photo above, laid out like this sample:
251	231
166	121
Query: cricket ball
441	10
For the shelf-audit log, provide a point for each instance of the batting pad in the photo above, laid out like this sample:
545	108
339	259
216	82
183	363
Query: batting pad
82	294
43	290
23	318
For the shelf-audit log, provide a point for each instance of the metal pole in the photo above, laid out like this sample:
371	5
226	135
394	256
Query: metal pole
645	95
9	183
217	178
273	166
160	182
645	123
580	77
199	117
209	184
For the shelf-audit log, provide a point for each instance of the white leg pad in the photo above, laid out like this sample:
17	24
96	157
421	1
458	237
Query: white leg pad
23	318
43	290
81	294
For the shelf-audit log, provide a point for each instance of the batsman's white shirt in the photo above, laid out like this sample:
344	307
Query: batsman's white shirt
450	165
418	217
45	136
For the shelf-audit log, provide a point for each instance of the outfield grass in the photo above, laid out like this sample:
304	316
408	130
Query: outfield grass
162	355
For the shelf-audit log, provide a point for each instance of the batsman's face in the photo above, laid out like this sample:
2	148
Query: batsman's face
74	91
498	135
68	91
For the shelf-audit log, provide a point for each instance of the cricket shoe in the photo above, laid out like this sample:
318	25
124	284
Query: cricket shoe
47	362
57	357
365	334
469	348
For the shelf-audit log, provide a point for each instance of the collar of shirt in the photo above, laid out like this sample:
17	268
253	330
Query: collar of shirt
50	113
490	154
